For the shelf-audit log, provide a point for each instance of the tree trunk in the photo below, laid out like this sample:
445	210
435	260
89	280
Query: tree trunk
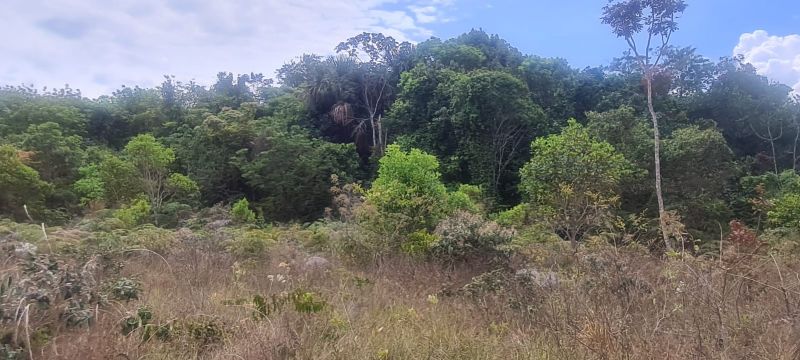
662	214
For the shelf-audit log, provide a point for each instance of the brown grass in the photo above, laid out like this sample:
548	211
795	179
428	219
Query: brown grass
609	304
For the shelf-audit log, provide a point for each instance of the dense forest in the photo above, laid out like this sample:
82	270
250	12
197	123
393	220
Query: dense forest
452	155
729	135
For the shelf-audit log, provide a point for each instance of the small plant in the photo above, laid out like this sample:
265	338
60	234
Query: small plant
125	289
140	319
207	332
307	302
241	213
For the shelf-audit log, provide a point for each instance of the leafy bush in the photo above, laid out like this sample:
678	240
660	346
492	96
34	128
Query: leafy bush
125	289
419	243
786	211
572	180
409	185
241	213
151	238
307	302
138	212
464	234
251	242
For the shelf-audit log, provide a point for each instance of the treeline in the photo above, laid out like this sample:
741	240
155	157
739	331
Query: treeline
491	116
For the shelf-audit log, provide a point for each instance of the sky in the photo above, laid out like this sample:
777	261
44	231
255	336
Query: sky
99	45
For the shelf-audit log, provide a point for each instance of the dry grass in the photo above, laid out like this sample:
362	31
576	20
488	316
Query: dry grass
608	304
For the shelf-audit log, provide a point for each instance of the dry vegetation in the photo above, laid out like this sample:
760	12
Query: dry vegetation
94	297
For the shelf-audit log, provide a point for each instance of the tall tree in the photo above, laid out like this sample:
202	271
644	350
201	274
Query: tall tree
657	19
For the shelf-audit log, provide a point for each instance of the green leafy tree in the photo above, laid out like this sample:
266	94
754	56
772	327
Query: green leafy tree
572	179
151	161
409	186
699	167
55	156
290	174
19	185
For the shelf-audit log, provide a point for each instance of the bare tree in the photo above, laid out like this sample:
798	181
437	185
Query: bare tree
657	18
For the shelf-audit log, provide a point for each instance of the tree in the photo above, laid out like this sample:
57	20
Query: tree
56	156
492	119
572	180
289	174
657	18
477	123
409	186
152	160
698	167
20	185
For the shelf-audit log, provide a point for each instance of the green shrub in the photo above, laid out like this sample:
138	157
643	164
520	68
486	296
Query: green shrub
125	289
307	302
786	211
151	238
142	317
409	185
251	242
464	234
138	212
241	213
517	217
419	243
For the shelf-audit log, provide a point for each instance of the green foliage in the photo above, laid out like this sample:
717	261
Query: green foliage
572	179
786	211
518	216
466	197
251	243
136	213
55	156
409	185
151	238
698	166
19	184
125	289
419	243
241	213
142	318
148	155
466	234
183	188
307	302
291	176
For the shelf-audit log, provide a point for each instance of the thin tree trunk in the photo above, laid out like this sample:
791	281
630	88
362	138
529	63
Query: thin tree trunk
662	214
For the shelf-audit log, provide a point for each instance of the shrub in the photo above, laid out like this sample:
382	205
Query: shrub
151	238
572	180
464	234
241	213
251	242
409	184
138	212
786	211
125	289
419	243
466	197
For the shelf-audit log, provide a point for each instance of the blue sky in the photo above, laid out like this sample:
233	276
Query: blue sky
98	45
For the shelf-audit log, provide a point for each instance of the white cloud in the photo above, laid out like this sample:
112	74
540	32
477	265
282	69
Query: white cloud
777	57
98	45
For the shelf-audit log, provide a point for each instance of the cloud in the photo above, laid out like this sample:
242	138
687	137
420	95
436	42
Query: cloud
777	57
99	45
